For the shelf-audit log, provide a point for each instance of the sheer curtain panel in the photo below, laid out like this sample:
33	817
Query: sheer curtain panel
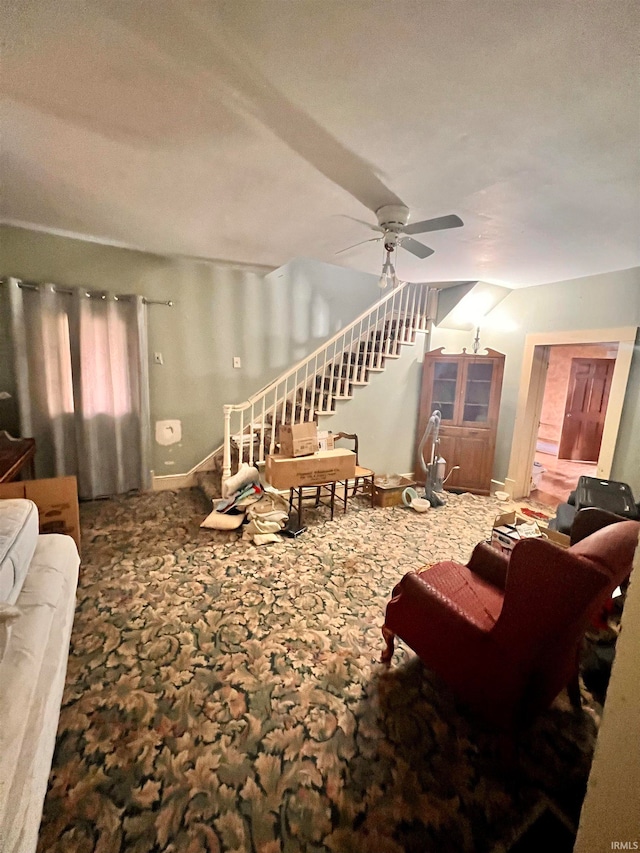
81	368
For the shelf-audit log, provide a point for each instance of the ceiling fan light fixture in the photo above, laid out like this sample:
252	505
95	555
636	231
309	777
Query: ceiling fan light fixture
388	276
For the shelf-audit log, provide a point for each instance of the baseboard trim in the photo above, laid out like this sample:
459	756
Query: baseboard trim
169	482
510	487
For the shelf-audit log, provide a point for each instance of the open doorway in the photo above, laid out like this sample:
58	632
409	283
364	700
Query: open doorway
574	407
533	375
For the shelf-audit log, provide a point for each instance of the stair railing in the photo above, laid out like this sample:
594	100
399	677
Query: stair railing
310	387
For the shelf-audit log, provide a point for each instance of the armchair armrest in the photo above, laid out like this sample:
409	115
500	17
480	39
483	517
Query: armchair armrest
441	633
415	601
489	564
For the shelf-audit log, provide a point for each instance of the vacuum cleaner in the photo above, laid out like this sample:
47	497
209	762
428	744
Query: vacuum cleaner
434	470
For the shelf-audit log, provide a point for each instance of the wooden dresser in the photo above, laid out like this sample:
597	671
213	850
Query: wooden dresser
15	454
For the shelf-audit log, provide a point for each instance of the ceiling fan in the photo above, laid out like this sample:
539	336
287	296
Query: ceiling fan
395	229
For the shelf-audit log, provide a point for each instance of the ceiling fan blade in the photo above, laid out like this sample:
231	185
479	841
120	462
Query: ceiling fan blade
363	222
370	240
440	223
416	248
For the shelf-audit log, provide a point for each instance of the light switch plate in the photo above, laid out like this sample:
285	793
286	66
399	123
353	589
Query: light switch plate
237	361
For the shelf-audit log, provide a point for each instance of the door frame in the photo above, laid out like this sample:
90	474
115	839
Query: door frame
535	362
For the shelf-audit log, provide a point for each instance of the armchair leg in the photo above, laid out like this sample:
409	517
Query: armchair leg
573	689
389	638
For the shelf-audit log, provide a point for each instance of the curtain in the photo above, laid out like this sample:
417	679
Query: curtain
82	380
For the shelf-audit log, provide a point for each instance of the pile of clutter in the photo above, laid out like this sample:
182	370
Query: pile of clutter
262	513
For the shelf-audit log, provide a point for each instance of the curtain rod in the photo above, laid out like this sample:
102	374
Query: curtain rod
32	285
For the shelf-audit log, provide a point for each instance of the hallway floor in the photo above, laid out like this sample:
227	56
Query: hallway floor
560	478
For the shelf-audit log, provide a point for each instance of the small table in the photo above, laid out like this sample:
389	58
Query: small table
15	453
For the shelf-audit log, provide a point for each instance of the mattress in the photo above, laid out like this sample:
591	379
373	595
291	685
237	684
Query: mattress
32	675
18	537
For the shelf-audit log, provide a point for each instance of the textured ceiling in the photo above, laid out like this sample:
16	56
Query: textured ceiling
250	130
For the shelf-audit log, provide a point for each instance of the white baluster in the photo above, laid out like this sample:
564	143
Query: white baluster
226	451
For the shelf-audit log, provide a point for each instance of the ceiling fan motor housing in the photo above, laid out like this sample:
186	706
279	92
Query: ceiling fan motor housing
391	240
393	217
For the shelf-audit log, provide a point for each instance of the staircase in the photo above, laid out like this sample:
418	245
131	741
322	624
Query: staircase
311	388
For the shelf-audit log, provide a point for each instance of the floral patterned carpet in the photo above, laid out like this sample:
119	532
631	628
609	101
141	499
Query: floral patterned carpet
226	697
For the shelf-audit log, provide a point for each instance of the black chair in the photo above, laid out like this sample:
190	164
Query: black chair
608	495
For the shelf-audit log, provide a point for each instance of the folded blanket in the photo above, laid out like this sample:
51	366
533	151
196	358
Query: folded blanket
246	474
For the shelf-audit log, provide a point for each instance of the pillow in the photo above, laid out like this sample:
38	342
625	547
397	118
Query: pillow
8	614
223	521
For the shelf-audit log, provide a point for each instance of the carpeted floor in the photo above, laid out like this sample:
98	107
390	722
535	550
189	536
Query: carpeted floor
226	697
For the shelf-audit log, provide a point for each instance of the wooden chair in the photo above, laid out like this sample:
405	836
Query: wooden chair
363	480
298	494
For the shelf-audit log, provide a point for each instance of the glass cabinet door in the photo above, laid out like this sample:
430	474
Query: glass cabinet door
445	383
477	392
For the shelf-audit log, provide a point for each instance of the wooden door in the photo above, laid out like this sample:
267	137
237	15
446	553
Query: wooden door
585	409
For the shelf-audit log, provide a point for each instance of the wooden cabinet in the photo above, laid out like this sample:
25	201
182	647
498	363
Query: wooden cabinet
466	389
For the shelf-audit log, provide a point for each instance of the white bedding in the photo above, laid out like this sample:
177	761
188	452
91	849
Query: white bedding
32	674
18	536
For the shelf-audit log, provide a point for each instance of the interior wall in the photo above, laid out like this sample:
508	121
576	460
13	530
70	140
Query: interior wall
384	413
610	810
557	385
595	302
269	319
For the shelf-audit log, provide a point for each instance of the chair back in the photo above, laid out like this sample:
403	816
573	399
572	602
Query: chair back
349	436
551	597
611	549
587	521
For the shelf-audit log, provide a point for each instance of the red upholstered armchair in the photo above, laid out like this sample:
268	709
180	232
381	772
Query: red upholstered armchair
505	633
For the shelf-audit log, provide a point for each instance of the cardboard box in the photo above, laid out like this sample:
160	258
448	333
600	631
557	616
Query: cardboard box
386	495
560	539
504	537
325	466
57	502
325	440
298	439
506	532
